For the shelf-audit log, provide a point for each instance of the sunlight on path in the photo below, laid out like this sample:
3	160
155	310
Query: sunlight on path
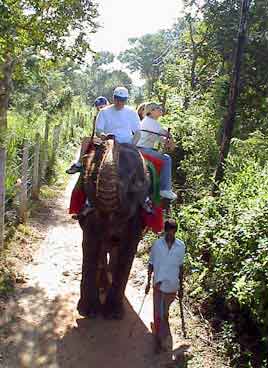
60	253
42	327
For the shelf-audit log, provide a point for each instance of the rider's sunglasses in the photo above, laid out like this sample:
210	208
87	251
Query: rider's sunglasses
159	108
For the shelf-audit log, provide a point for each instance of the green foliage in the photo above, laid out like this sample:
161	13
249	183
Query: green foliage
103	82
21	128
96	79
144	56
7	281
186	68
227	236
46	25
195	131
102	58
52	30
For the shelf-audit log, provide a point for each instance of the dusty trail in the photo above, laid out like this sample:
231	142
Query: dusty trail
41	327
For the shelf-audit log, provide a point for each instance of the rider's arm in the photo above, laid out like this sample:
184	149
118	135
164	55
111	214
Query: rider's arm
100	123
167	140
164	135
135	123
136	137
150	270
164	132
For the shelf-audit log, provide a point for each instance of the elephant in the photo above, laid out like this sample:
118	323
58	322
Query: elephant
116	182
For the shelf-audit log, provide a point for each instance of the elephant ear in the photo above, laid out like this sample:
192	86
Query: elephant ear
89	164
91	161
134	180
122	181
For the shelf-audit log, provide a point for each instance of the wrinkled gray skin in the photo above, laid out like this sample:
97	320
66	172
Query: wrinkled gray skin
115	227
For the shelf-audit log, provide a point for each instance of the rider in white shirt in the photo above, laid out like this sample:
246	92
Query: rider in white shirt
147	138
118	119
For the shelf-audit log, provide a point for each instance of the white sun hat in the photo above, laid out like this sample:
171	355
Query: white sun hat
121	93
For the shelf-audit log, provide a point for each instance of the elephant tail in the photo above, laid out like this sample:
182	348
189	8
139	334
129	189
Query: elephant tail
107	185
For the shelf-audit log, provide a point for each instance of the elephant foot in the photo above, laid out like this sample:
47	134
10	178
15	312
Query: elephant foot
113	315
118	314
111	311
87	312
89	315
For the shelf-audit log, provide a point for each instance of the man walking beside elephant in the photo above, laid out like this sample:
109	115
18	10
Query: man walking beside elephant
166	263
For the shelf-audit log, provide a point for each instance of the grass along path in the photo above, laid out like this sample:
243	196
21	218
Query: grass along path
40	327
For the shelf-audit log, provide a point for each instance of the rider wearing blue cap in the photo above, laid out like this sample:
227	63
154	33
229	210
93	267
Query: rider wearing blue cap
100	103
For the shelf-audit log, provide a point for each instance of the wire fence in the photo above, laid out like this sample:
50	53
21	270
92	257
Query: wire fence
14	173
28	164
24	178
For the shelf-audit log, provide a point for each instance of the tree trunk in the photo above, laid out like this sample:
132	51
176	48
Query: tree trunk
2	194
194	58
150	87
193	74
6	69
233	95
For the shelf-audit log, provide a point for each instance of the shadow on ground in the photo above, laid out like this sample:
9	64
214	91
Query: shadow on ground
125	343
38	332
115	344
30	328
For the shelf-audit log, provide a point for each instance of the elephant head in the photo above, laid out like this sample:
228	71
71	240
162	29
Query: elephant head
121	180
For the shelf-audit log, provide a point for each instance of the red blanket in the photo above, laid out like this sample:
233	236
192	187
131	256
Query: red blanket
78	199
154	221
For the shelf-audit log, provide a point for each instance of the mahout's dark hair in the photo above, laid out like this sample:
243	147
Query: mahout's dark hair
170	224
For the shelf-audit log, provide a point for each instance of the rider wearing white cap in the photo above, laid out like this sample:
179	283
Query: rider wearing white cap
118	119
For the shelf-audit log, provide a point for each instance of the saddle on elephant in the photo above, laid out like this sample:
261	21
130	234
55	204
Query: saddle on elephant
155	220
92	163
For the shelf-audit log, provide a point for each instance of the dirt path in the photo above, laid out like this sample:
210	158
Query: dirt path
41	328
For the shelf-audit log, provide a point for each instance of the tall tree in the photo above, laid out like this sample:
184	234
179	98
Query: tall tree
229	120
55	28
145	54
103	82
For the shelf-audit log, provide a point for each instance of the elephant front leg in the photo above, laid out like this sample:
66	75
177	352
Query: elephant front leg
120	278
88	304
129	241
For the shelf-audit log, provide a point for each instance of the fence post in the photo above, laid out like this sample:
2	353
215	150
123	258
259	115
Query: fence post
45	152
82	121
55	144
70	122
2	194
36	186
23	188
71	131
